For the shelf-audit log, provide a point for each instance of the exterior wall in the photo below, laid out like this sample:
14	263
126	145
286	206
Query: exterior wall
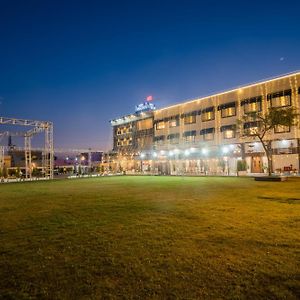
189	140
7	161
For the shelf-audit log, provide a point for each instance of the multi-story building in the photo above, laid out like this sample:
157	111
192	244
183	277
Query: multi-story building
132	134
201	136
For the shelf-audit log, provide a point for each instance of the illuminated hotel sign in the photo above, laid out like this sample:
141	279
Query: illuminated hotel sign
143	107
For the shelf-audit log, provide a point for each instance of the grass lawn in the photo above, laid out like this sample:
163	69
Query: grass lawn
150	238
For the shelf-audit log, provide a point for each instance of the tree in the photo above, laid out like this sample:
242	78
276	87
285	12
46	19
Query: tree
257	125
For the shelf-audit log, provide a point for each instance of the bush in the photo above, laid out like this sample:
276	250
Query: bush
241	165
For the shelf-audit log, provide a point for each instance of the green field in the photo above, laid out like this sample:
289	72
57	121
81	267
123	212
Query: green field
150	238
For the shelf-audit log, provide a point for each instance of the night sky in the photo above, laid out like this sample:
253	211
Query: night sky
82	63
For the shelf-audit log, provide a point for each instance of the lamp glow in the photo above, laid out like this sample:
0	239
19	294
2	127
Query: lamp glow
186	152
225	150
204	151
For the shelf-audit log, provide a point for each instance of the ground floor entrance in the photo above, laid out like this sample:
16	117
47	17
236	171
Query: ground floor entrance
256	164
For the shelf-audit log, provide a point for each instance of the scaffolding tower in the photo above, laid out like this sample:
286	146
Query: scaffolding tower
36	128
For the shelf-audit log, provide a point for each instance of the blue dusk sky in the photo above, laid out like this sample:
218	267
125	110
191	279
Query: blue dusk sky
82	63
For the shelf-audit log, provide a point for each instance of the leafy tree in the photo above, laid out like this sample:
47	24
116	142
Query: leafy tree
263	124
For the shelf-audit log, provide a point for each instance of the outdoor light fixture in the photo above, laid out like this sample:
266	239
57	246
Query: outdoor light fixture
225	150
204	151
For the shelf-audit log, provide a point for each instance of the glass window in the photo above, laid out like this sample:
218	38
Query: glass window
208	136
252	107
282	128
228	112
189	139
173	138
207	116
229	134
160	125
174	123
189	119
281	101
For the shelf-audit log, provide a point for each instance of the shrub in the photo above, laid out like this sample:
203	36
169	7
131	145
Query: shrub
241	165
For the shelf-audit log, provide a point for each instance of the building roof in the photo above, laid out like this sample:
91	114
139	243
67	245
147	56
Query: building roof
232	89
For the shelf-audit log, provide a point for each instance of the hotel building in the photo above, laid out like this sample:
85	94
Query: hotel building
202	136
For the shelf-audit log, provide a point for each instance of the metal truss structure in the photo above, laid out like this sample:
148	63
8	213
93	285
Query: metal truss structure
36	127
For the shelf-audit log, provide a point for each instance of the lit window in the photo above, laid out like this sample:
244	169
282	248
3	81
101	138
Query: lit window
229	134
190	119
207	116
282	129
252	107
228	112
160	125
281	101
173	123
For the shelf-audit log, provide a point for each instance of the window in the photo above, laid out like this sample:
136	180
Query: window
227	109
252	104
282	129
173	138
160	125
280	99
174	123
229	134
252	107
228	112
252	127
228	131
208	114
190	119
189	139
208	134
159	139
189	136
